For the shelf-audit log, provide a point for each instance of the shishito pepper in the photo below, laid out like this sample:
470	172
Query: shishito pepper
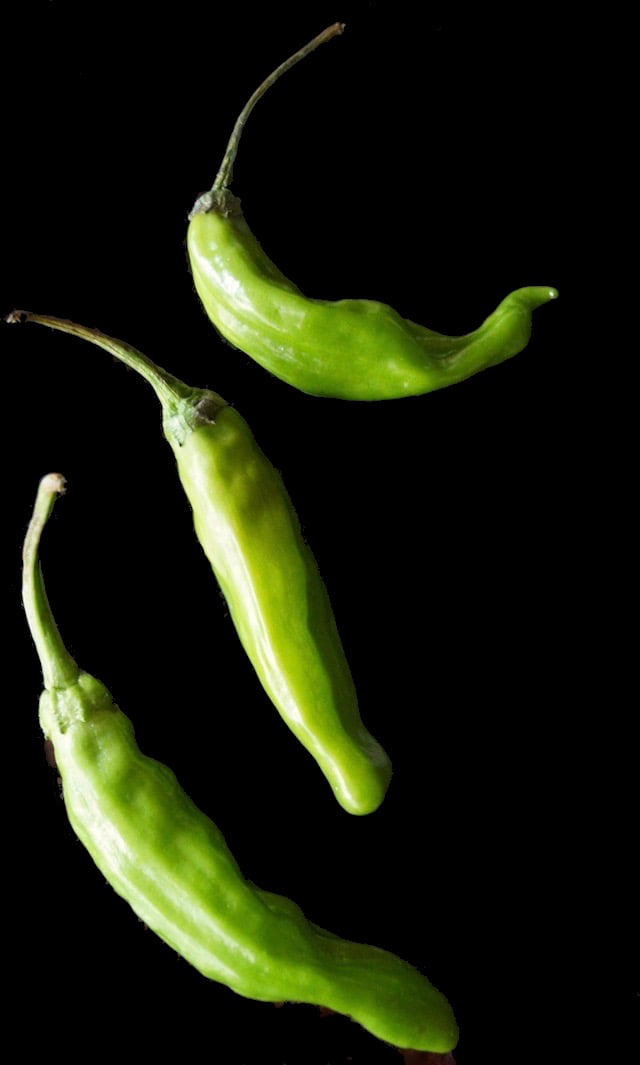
172	865
277	599
346	349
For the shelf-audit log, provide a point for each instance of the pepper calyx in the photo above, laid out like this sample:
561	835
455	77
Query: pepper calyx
188	413
219	201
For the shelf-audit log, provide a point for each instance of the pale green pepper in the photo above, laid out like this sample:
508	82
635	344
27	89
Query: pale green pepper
347	349
172	865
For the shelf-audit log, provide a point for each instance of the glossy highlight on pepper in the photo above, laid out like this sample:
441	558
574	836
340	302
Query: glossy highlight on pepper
345	349
277	599
169	861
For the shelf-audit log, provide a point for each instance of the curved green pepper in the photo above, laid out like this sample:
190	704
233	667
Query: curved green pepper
348	349
172	865
279	604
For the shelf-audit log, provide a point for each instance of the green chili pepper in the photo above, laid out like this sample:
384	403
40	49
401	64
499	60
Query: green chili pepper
171	863
251	535
349	349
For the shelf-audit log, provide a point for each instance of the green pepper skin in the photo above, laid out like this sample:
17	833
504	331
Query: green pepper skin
172	865
349	349
246	523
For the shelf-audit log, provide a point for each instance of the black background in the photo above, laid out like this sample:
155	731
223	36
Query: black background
425	158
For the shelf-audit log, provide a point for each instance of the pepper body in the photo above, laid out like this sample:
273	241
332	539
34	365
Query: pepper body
348	349
250	533
172	865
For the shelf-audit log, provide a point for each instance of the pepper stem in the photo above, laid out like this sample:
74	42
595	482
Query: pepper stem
225	173
167	388
58	667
